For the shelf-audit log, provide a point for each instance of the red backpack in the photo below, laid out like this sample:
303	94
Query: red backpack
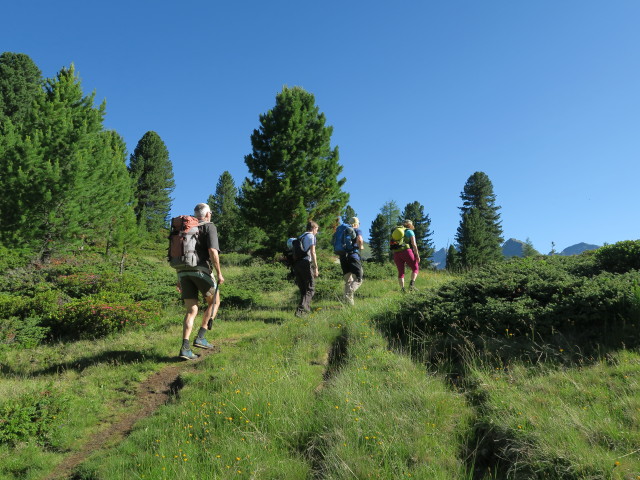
183	239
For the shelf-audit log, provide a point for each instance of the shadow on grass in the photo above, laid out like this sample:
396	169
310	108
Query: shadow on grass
113	357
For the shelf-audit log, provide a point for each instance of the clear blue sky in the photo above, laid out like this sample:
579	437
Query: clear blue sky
544	96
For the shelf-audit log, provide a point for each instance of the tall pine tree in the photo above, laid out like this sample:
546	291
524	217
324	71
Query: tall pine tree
66	174
294	170
415	212
379	239
152	175
225	212
479	235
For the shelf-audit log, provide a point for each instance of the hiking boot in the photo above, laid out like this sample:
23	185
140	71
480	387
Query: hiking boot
187	354
202	343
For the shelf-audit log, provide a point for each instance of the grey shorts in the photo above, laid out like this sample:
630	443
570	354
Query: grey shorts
193	282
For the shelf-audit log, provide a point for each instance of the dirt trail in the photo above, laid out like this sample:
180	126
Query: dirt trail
151	394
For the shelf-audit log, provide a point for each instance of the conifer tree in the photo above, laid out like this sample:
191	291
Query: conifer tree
452	260
379	239
225	212
391	213
20	87
66	174
479	235
294	170
348	214
152	175
528	249
415	212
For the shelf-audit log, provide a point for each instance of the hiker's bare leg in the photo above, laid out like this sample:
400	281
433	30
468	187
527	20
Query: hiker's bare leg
414	275
213	303
192	311
401	281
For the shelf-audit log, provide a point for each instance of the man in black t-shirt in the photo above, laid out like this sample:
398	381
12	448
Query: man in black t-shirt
201	279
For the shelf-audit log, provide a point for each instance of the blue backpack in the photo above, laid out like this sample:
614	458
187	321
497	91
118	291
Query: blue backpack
343	240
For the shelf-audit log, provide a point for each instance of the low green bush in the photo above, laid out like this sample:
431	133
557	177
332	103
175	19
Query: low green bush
22	332
379	271
31	417
234	295
23	320
620	257
92	317
237	260
514	305
269	277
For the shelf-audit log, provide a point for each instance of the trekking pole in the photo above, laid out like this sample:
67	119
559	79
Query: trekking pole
215	294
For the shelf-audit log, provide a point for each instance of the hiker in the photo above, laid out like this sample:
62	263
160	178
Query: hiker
348	250
405	251
306	268
201	279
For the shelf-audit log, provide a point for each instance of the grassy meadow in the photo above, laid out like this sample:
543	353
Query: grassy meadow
377	390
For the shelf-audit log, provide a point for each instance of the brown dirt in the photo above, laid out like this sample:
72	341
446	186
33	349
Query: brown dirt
151	394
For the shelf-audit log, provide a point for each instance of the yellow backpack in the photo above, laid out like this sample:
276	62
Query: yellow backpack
397	242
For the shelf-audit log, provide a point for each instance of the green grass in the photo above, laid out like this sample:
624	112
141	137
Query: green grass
565	423
319	396
324	396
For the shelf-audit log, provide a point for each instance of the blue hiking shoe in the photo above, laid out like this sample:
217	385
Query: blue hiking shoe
202	343
187	354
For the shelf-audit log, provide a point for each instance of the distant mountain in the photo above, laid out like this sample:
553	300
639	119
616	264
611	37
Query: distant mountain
439	259
513	248
578	248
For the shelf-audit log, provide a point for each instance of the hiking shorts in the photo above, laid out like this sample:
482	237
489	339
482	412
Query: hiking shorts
351	263
193	282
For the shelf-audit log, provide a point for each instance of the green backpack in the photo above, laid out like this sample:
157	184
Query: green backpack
397	242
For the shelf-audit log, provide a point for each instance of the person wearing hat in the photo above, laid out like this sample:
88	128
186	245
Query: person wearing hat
351	263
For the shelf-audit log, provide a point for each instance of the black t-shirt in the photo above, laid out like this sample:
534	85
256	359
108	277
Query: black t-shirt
208	238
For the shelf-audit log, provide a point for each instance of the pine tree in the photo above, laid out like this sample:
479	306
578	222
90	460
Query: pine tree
379	239
294	171
66	174
348	214
20	87
152	175
415	212
452	260
225	213
528	250
391	213
479	235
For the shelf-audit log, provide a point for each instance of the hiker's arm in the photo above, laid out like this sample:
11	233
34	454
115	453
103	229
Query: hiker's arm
360	242
215	261
414	247
314	260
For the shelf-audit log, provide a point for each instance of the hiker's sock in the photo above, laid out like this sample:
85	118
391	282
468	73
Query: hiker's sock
185	344
201	332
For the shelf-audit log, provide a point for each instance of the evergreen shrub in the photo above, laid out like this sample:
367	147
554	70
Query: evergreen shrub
516	304
620	257
92	317
379	271
23	320
237	260
31	417
234	295
269	277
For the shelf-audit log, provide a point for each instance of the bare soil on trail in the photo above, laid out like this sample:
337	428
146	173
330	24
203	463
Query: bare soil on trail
151	394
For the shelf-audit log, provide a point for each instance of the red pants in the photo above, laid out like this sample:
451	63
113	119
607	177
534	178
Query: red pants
405	257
